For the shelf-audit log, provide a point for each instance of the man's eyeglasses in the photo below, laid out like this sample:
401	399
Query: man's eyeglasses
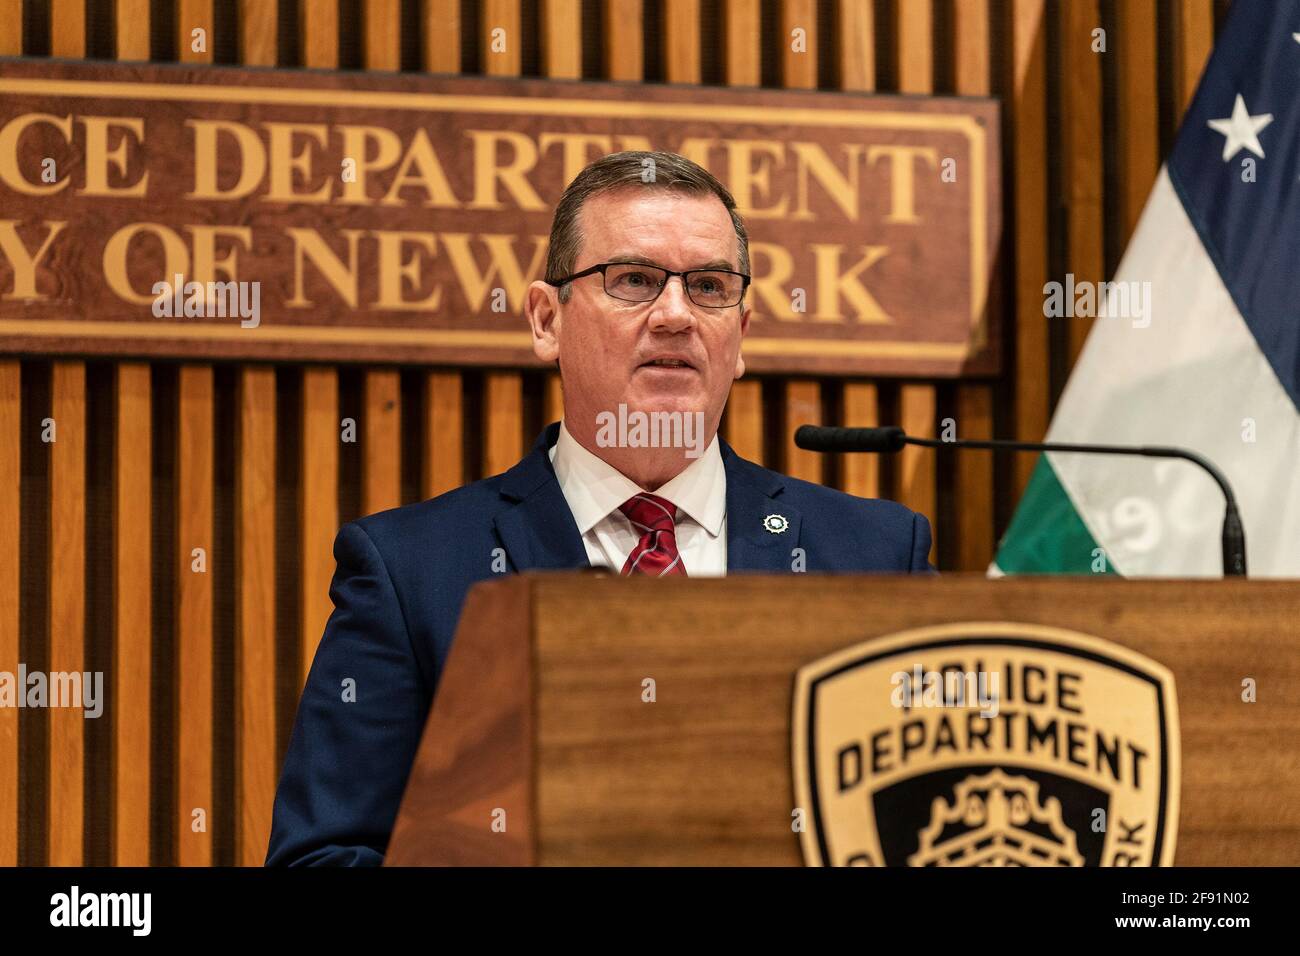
636	282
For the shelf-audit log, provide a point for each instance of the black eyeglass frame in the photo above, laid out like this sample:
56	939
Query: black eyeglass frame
669	273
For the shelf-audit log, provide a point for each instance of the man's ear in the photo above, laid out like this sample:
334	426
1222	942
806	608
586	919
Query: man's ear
745	312
542	309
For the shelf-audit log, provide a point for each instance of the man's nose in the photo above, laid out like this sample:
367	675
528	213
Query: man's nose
672	311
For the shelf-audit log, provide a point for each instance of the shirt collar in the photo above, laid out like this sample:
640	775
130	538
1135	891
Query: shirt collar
594	488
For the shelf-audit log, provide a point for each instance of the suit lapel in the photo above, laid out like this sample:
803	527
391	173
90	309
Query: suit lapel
762	531
538	530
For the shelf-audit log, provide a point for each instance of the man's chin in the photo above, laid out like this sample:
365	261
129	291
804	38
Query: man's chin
650	402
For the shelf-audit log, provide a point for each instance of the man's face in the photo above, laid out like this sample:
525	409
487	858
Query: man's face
605	345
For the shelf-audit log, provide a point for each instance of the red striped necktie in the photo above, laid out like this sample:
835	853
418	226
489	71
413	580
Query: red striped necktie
656	553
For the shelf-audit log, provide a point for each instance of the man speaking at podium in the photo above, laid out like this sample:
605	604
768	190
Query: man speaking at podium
643	310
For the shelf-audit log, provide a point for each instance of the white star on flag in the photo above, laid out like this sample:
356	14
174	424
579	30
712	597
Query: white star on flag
1241	129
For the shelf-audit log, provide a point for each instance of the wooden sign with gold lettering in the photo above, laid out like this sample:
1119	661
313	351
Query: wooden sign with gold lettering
232	213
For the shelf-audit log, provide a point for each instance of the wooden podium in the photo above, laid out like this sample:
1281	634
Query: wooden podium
586	719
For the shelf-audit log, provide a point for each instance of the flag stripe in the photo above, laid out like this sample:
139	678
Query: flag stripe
1047	536
1244	208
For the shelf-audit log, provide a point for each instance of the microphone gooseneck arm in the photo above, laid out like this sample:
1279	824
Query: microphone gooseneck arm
893	438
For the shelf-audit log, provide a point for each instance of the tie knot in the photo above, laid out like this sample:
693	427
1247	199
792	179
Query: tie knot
649	512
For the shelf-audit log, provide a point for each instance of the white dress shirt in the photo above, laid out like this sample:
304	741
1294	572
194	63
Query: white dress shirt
594	490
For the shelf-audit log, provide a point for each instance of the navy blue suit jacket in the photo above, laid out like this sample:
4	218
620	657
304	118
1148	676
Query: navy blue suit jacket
402	577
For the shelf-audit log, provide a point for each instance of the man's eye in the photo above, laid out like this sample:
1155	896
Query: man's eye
708	285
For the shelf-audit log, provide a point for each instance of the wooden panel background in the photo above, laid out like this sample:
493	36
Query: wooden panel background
177	534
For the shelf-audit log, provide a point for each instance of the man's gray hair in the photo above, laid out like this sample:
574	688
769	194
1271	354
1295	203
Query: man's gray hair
626	170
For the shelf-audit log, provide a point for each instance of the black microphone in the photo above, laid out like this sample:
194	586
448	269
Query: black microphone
892	438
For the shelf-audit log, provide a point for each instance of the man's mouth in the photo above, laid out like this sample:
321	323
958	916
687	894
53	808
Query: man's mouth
667	363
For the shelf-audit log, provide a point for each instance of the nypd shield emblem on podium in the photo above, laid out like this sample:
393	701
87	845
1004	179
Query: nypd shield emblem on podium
986	744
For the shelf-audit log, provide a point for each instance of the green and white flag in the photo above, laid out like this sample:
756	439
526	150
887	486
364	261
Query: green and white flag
1196	344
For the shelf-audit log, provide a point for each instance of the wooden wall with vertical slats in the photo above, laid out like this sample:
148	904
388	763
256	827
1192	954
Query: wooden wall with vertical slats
201	519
